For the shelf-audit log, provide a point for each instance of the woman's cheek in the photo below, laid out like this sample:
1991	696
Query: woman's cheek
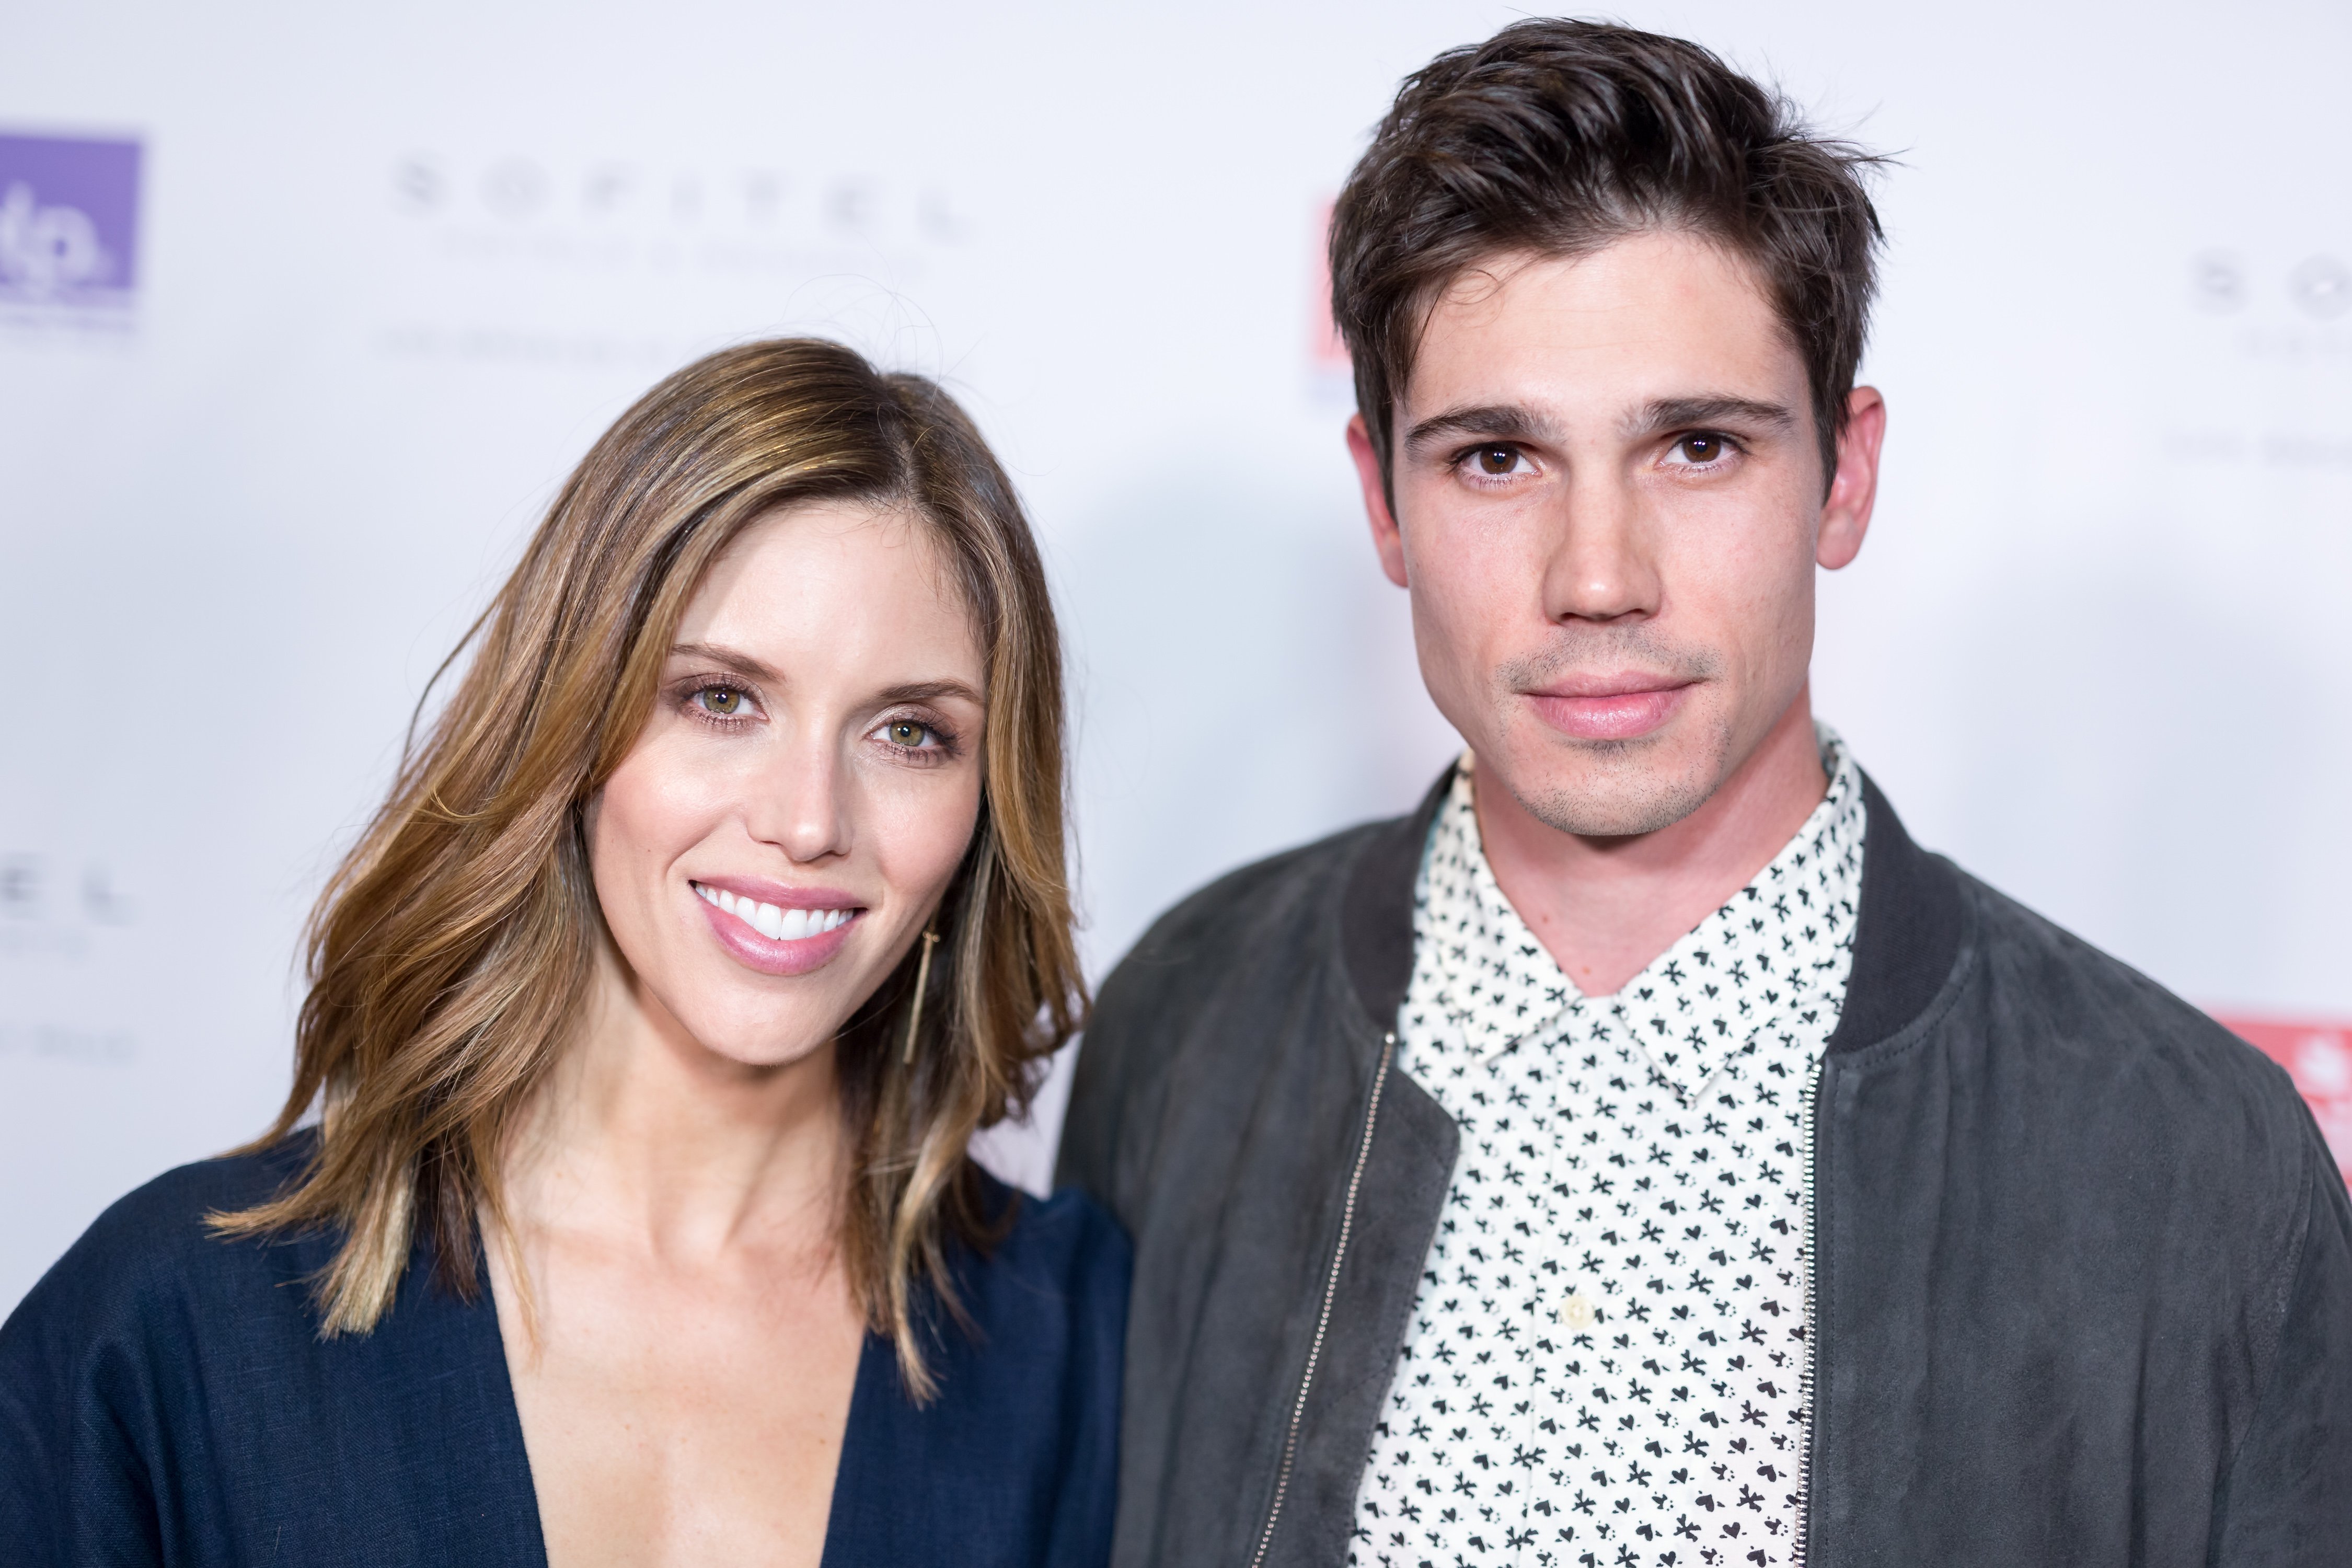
671	790
929	825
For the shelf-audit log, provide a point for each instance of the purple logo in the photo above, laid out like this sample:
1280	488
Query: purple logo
69	221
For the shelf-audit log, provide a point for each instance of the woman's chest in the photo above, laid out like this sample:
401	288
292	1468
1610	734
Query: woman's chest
674	1422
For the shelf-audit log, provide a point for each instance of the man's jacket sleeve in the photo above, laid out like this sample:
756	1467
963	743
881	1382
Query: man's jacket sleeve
2287	1499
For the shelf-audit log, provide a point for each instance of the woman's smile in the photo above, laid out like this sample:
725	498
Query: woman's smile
791	931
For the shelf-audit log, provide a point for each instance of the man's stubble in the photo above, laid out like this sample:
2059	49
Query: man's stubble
1625	789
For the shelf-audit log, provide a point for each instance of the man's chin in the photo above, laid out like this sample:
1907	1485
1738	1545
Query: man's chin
1617	811
1608	790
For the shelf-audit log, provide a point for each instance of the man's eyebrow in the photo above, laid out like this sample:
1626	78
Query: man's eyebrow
1681	413
1491	422
1515	422
727	658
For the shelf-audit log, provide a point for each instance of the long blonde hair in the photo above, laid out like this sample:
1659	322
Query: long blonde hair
449	954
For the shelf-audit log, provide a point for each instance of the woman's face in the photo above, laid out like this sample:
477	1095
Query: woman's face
806	786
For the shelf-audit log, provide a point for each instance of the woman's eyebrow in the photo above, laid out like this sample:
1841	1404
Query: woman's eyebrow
728	658
744	664
932	692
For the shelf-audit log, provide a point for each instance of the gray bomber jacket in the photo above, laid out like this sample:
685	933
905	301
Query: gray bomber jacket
2083	1279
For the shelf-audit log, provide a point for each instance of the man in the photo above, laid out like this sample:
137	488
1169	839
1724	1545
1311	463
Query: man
1643	1153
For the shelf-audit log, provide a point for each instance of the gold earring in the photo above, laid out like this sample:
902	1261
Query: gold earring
922	984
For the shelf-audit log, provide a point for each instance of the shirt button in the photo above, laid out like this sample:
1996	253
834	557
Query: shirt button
1577	1311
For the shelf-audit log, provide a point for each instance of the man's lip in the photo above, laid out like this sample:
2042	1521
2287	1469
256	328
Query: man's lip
1626	713
1626	683
783	895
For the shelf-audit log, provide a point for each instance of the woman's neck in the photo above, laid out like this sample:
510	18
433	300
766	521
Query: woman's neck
681	1333
648	1141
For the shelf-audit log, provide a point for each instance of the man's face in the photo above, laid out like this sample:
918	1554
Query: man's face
1607	508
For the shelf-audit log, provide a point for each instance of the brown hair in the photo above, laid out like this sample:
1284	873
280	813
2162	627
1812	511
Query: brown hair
1558	137
449	953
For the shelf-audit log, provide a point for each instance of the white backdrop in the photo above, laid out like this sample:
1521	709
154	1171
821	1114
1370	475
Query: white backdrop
394	270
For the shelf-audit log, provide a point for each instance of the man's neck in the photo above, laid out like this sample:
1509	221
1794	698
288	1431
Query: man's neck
1606	908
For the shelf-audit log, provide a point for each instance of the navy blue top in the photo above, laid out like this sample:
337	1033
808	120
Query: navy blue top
165	1398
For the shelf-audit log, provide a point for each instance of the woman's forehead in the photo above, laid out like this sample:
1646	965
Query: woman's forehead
836	583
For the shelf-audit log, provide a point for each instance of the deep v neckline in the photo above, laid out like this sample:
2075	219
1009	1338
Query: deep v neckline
874	1387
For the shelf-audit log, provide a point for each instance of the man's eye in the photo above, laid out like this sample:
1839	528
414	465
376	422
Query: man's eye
1498	460
1700	449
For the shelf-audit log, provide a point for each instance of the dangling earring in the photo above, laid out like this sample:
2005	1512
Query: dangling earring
922	984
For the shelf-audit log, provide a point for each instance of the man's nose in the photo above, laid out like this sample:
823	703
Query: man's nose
1598	565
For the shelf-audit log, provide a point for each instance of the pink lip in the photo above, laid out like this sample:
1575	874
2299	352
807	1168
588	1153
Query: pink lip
766	954
1618	707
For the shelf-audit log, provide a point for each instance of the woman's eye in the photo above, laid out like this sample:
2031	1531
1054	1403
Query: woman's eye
724	700
1699	450
906	732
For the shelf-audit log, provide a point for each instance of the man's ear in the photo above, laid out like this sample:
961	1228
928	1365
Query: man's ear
1386	538
1853	489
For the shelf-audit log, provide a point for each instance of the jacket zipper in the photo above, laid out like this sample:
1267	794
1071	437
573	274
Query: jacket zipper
1808	1384
1330	1289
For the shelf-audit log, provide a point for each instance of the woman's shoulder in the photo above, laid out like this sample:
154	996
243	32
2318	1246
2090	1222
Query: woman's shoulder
166	1384
156	1246
1050	1281
1067	1245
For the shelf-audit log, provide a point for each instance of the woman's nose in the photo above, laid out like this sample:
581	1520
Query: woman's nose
798	801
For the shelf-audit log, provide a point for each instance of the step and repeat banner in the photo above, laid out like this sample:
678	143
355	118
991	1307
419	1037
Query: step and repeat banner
303	315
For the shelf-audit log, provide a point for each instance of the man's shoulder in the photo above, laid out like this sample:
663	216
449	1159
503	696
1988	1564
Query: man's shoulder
2128	1047
1212	983
1270	902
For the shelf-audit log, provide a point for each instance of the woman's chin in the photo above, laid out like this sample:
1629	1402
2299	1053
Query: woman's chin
732	1023
760	1047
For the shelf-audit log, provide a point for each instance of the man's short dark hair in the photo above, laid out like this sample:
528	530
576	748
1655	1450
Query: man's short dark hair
1558	137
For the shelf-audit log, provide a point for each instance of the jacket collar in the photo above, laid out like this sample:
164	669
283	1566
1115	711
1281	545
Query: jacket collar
1376	920
1907	936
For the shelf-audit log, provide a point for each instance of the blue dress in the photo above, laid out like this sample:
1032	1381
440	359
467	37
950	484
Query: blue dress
166	1399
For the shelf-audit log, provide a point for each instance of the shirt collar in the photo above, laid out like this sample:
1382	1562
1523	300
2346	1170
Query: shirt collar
1787	937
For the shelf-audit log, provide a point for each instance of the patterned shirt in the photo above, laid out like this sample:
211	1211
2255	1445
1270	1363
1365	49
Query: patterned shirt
1605	1365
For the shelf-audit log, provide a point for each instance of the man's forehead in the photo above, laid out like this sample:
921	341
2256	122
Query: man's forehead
1686	261
1651	318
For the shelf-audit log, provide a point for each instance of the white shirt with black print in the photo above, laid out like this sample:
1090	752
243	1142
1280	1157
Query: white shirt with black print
1606	1365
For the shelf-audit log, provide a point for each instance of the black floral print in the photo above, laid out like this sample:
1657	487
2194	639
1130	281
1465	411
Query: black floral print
1606	1365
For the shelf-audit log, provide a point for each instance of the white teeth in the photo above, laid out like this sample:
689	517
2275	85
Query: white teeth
775	924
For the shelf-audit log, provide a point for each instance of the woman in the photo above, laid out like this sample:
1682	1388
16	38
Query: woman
648	1025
